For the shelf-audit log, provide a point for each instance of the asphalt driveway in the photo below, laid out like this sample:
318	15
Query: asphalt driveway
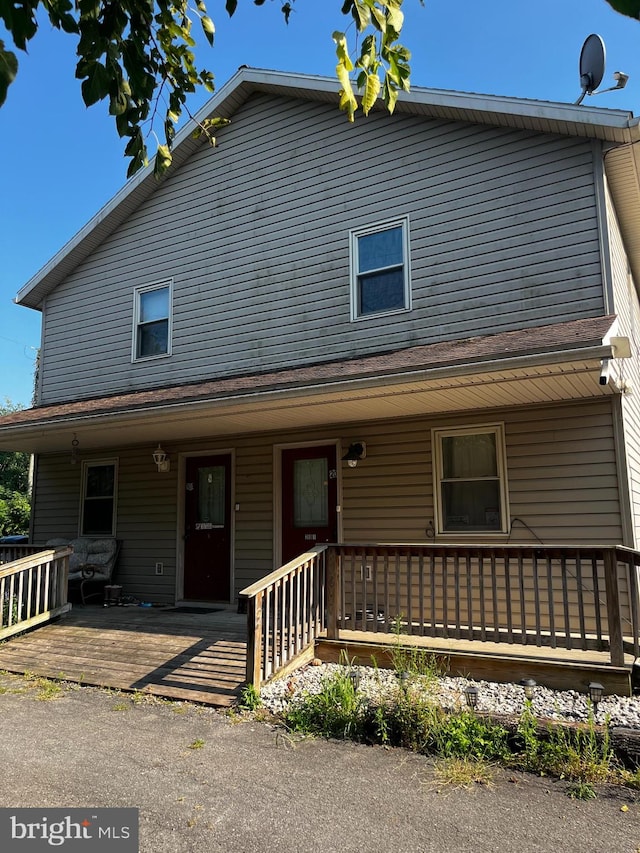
205	782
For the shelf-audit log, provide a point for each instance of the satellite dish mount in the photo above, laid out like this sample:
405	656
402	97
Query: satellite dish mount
592	61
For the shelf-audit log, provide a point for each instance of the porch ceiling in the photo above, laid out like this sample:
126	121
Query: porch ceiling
554	377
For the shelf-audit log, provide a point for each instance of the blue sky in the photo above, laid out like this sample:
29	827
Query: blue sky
61	162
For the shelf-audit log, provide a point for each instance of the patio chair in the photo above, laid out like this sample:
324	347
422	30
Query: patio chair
92	563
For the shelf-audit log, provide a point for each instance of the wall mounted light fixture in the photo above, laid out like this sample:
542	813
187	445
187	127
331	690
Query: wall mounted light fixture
161	460
356	452
74	449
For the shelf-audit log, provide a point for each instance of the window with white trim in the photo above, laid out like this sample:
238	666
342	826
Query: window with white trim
380	275
152	321
98	505
470	483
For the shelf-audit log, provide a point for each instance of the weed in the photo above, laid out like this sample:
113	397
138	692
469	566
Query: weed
334	711
138	698
581	791
198	743
47	689
412	661
249	698
464	772
120	706
464	735
577	754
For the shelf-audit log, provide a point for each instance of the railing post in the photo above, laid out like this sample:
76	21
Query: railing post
63	580
333	593
254	640
616	648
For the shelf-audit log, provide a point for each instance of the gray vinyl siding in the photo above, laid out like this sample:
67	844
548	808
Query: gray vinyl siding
627	371
561	469
255	235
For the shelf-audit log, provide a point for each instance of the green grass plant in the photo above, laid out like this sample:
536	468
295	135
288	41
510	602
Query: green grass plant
410	718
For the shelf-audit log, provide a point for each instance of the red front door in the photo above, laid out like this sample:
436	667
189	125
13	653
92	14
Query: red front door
207	528
309	499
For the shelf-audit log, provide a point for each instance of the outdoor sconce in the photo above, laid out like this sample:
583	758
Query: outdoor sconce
161	460
356	452
74	449
471	695
596	691
529	685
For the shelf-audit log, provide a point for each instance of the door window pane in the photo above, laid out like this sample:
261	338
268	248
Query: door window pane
211	495
310	493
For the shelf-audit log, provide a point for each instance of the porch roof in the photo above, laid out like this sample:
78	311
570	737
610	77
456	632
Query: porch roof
556	362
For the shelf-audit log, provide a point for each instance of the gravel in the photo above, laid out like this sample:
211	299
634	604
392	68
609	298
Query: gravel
449	693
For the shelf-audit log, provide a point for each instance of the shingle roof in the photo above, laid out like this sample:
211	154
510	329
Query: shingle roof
557	337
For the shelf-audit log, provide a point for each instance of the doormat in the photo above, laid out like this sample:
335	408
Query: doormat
195	609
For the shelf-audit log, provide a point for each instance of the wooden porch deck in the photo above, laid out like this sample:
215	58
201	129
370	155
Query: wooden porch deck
200	657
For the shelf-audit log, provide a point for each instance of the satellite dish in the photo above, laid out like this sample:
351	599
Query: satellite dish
592	59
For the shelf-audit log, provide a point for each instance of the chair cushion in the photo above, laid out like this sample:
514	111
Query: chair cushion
99	553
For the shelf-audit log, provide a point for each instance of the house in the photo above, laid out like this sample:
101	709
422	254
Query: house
420	328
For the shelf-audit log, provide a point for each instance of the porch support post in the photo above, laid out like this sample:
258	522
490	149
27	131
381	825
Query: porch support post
333	596
254	640
616	648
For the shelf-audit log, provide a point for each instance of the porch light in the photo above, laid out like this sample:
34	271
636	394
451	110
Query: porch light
596	691
471	695
356	452
529	685
160	458
354	677
74	449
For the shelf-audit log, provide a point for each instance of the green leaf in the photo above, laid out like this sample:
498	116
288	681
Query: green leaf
118	104
208	28
8	71
348	101
389	94
96	85
163	160
361	14
370	94
342	50
630	8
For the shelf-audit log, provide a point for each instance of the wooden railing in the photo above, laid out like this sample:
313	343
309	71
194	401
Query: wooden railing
285	614
9	553
560	596
573	597
33	589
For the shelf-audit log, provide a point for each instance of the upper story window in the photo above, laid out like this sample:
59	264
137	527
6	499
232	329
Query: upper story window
380	280
99	488
470	480
152	321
